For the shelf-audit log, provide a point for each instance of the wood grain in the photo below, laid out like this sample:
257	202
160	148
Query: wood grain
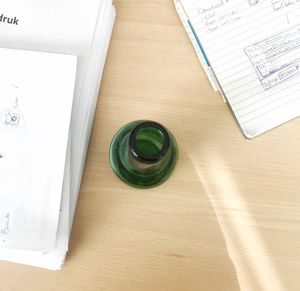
228	219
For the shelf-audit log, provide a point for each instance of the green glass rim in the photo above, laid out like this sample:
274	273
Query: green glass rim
137	154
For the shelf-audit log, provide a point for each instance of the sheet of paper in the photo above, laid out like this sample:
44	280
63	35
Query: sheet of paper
253	48
35	109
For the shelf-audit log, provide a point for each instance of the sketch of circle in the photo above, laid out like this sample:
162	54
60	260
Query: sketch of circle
11	119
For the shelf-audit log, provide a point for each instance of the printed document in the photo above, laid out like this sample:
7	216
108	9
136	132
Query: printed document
35	110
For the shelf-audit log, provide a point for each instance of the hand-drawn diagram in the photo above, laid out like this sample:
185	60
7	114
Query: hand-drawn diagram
276	58
12	118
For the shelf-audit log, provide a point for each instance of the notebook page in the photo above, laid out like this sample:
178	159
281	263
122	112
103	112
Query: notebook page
35	110
184	19
253	48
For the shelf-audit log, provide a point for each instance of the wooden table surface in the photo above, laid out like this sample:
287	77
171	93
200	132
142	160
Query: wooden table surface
228	219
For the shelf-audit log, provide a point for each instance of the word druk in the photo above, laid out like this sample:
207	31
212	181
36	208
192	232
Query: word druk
9	20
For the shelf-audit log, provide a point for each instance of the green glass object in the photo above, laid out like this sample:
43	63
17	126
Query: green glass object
143	154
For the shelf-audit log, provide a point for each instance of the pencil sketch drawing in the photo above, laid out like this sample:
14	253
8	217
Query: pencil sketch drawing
12	118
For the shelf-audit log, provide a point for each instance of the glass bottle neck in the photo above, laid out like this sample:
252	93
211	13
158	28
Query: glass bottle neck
148	145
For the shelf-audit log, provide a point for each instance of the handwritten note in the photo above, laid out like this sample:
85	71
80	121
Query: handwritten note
253	47
215	17
280	4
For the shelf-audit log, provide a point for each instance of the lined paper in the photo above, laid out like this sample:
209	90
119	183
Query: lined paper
253	47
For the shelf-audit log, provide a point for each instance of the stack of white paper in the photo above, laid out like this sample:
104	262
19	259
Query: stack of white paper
52	59
250	51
